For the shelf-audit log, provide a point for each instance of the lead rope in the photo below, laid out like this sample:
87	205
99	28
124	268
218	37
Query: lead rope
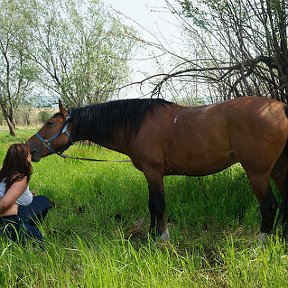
65	156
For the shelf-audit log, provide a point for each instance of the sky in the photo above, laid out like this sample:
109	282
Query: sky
153	22
151	14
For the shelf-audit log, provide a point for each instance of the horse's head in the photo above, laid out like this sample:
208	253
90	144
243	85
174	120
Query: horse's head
53	137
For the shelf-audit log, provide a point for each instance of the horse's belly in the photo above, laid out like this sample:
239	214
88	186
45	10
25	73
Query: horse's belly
199	166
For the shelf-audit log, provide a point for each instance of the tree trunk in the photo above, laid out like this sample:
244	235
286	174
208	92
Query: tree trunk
9	120
11	126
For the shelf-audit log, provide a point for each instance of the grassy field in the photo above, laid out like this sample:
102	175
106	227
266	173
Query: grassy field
96	234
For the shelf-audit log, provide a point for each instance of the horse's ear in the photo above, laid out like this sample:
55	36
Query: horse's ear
62	109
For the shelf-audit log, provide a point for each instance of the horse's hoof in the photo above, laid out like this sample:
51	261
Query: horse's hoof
164	237
262	239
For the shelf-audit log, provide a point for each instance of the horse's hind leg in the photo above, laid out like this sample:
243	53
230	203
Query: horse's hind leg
279	175
279	172
268	208
265	197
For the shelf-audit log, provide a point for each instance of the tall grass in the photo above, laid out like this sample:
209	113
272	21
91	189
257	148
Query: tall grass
96	234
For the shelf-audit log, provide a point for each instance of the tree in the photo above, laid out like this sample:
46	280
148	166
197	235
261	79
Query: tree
237	47
17	73
76	50
43	116
81	49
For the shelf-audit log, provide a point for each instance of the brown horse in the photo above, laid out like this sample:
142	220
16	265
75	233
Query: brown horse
163	138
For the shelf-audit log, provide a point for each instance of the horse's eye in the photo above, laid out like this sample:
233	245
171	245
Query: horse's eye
49	123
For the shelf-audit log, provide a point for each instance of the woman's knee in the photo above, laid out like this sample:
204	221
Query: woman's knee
42	201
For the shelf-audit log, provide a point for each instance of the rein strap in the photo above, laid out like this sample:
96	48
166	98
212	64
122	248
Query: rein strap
65	156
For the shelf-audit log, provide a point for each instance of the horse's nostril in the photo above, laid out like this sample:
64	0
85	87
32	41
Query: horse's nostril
33	151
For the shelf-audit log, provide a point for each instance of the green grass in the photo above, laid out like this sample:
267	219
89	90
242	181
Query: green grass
96	235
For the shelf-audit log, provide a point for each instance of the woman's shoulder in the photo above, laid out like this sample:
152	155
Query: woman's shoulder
20	182
20	178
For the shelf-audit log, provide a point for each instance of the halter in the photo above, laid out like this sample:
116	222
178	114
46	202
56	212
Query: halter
47	142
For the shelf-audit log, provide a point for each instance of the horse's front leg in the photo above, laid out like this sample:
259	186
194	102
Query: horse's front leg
156	204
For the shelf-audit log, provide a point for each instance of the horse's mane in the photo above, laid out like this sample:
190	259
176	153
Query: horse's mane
100	122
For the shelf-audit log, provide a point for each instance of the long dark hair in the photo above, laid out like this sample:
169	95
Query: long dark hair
16	165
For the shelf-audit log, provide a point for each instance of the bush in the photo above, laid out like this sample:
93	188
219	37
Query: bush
43	116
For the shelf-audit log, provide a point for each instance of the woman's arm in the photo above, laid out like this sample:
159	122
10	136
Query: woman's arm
12	194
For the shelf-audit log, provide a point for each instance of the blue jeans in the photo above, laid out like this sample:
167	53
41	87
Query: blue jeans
24	225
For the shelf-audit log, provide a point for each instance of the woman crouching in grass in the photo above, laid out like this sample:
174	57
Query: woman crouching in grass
20	210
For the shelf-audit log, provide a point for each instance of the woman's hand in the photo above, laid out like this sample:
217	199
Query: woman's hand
13	210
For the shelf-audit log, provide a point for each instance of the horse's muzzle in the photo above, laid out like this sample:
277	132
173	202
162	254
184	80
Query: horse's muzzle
35	157
34	150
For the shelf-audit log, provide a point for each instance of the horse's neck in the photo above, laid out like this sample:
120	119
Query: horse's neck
116	147
118	143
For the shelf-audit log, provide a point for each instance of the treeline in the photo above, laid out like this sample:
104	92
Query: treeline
30	116
74	50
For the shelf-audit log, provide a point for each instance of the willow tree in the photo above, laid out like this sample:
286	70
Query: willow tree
81	48
17	73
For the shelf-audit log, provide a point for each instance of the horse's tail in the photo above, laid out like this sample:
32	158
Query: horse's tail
283	206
